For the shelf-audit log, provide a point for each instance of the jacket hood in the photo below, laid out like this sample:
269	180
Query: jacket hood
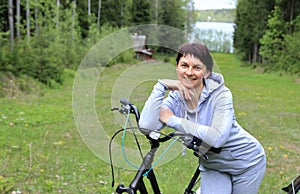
212	83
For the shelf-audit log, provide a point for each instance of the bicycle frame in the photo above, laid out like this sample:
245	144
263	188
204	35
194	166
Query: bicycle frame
293	187
138	184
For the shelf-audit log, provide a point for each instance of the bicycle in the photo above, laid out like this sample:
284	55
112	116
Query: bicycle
293	187
146	169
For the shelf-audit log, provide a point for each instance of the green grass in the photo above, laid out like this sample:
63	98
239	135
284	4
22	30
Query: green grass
42	150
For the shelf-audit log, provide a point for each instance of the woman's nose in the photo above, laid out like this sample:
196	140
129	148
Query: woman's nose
189	71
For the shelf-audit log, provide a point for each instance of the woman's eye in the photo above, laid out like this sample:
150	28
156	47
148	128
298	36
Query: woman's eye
198	68
183	65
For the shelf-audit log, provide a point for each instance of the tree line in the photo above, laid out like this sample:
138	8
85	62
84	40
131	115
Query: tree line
41	38
267	34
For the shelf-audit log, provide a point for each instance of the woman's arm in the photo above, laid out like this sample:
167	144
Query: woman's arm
218	132
149	118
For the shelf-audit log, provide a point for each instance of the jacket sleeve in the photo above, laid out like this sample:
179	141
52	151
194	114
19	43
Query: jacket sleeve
149	118
218	132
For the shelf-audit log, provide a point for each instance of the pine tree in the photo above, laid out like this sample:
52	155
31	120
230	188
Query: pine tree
140	12
251	20
273	39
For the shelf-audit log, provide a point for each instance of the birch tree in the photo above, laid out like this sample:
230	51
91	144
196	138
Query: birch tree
36	17
89	7
18	18
156	12
99	15
57	12
73	19
28	18
11	23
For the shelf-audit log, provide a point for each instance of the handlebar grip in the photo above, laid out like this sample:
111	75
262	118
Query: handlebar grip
166	138
171	135
125	102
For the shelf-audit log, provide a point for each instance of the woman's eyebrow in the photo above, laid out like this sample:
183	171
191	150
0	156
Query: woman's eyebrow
198	65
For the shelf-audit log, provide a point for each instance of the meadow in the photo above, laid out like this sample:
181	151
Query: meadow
42	150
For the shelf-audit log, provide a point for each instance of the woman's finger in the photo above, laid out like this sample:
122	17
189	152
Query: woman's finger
182	90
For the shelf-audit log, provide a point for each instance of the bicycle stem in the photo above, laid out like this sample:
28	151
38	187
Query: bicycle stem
146	165
137	182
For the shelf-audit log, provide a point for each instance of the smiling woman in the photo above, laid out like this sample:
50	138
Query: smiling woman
200	105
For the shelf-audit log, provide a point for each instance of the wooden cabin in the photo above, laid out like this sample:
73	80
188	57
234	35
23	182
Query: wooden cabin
141	49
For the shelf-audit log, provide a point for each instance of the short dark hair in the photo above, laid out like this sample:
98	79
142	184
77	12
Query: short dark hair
197	50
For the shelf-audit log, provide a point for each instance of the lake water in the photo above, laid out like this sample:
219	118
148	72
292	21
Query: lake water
218	36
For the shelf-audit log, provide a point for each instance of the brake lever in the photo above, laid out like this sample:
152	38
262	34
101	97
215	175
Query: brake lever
114	109
123	110
194	145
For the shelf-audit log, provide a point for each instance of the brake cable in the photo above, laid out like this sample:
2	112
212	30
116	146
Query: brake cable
123	141
111	140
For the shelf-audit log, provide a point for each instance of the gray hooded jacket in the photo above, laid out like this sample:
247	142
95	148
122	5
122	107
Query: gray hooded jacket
213	121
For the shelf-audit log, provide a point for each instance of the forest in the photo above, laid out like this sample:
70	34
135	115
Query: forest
267	34
39	39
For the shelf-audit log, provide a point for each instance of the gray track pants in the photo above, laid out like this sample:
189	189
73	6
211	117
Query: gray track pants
214	182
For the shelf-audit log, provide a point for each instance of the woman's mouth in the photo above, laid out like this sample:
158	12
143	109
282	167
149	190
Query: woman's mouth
190	78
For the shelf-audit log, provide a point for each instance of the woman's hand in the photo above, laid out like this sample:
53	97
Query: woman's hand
177	85
165	114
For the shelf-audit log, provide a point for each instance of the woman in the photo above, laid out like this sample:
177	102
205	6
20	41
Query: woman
201	105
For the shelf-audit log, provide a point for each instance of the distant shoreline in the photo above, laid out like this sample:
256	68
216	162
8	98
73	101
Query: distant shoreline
222	21
216	15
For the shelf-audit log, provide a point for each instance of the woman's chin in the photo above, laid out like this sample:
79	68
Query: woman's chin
188	85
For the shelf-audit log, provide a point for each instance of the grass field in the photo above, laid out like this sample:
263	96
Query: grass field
43	152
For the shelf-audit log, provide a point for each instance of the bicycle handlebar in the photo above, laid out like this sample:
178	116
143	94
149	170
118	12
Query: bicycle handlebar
125	101
194	143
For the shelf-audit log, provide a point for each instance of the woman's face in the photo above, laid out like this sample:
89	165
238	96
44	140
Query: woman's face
191	71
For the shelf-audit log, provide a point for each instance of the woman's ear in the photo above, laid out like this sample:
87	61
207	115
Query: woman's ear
207	74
